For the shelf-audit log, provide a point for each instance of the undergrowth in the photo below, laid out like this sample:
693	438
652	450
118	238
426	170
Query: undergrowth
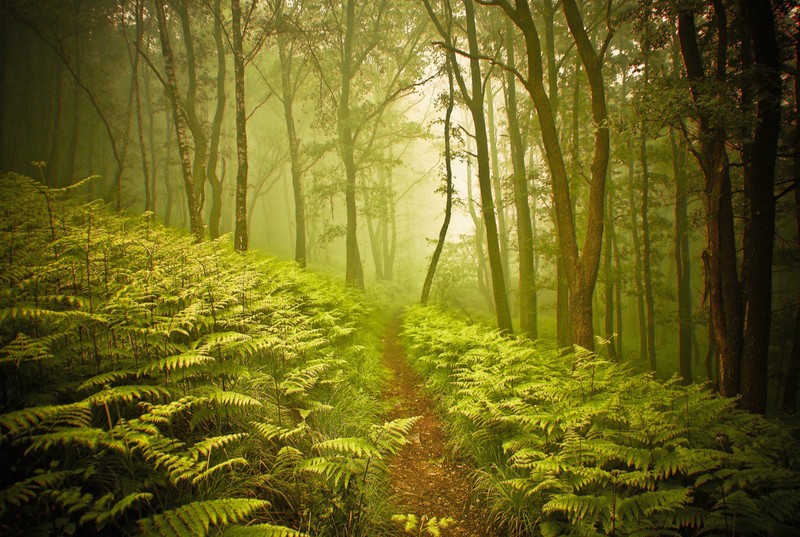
576	445
150	384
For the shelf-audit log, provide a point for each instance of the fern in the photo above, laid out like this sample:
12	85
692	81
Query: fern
197	518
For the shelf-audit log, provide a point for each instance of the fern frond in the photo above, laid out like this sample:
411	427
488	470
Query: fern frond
196	518
178	361
262	530
229	463
100	515
105	379
203	448
352	447
127	394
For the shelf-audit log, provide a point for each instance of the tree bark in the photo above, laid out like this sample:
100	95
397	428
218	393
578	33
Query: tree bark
294	143
759	184
582	268
497	180
637	267
682	263
448	207
216	127
195	217
723	287
240	232
647	274
527	282
354	272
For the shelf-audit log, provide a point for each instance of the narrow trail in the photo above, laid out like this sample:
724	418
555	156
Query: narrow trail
425	479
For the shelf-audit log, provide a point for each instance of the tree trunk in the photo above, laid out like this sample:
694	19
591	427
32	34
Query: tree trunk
294	144
682	264
609	280
724	290
647	276
497	181
793	369
581	268
475	105
354	272
216	128
240	233
637	270
195	217
138	98
448	207
527	283
759	184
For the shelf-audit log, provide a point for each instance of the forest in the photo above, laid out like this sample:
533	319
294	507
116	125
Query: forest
399	267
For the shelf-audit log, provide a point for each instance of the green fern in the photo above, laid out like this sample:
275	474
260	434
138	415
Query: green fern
197	518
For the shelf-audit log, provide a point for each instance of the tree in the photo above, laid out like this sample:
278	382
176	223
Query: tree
448	207
581	267
474	99
240	233
179	120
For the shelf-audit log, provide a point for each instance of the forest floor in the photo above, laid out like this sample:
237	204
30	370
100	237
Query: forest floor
424	476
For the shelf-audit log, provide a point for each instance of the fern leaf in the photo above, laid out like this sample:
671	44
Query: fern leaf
196	518
105	379
262	530
203	448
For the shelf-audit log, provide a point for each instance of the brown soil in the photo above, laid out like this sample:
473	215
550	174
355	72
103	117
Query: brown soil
425	478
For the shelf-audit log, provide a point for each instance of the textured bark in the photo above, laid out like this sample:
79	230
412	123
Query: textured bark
474	101
195	217
216	127
294	144
240	231
759	184
354	272
722	282
527	281
637	266
793	368
582	267
682	263
647	276
609	280
448	207
497	180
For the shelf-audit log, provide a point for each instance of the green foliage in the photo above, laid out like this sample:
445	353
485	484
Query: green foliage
576	445
152	384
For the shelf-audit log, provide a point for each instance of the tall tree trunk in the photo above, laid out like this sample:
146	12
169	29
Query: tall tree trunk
637	271
612	237
477	222
582	268
724	289
152	142
497	180
294	144
527	283
389	225
475	105
759	227
200	159
216	127
793	369
354	272
682	264
647	275
240	233
195	217
139	30
609	279
448	206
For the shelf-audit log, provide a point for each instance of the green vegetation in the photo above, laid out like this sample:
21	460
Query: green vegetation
157	385
578	445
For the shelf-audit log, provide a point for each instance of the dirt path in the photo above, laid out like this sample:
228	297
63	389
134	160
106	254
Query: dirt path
423	476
